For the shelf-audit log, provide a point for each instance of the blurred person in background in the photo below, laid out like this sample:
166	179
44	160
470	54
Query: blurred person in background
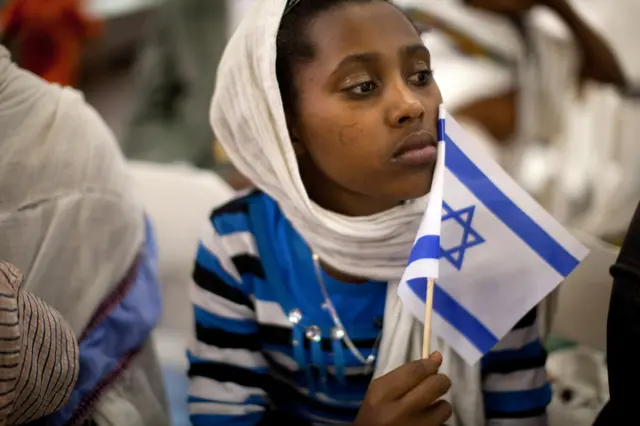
174	82
48	36
70	222
597	60
505	113
623	333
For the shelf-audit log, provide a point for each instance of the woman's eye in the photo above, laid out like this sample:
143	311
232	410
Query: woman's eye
421	78
363	88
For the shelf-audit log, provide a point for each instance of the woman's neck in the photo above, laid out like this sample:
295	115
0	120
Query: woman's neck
341	276
331	196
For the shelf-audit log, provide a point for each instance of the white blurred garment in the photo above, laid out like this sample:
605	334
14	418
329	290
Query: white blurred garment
64	198
592	152
581	150
464	79
70	221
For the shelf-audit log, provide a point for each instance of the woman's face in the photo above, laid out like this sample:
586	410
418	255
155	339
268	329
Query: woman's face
365	128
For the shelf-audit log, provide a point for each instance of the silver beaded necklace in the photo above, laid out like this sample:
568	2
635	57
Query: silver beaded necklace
339	331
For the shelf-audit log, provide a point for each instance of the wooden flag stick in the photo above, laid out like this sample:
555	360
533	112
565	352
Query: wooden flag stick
426	343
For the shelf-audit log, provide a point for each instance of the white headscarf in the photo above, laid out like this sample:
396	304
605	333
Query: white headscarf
248	119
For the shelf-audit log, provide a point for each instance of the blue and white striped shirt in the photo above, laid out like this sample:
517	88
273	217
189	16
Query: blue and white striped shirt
251	365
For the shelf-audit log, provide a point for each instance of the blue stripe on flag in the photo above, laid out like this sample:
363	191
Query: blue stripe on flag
441	132
427	247
507	211
456	315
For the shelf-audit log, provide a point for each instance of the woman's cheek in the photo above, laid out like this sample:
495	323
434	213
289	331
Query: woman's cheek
350	135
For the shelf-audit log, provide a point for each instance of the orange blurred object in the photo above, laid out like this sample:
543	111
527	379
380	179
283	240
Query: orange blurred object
49	35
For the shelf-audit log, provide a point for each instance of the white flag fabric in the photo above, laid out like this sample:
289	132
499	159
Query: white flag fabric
425	253
500	252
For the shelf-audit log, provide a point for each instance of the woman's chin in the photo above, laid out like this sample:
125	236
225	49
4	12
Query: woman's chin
413	193
418	188
418	194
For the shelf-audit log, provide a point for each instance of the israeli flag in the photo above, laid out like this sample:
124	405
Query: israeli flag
494	251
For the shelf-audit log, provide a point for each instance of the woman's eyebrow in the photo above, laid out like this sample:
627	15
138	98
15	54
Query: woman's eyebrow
365	57
371	57
415	48
358	58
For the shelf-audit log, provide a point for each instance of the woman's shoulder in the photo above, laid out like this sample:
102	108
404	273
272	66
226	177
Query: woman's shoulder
231	237
234	224
233	215
239	203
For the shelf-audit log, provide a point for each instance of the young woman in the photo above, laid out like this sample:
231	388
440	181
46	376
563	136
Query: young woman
330	108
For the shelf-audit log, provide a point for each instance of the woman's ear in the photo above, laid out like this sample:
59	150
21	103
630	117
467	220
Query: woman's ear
296	141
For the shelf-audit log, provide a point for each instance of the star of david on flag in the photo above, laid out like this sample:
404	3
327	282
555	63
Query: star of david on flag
493	251
463	220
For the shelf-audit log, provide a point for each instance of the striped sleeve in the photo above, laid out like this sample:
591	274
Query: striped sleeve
515	386
227	370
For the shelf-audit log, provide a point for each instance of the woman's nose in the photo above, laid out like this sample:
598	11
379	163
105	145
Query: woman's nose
406	107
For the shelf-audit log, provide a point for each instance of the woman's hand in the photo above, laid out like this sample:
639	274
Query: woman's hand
504	6
407	396
598	61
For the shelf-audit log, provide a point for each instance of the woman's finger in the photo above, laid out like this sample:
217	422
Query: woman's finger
423	395
438	413
400	381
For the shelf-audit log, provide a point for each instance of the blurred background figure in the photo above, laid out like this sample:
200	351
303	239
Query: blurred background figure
167	125
49	36
558	97
623	326
549	87
73	225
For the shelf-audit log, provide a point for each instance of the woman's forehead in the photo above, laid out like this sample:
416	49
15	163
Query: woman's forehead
353	28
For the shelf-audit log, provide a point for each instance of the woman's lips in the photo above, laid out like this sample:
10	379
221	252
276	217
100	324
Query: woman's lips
417	149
